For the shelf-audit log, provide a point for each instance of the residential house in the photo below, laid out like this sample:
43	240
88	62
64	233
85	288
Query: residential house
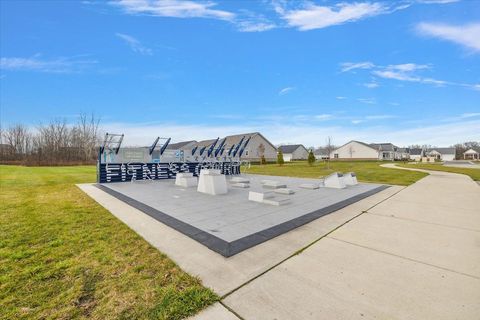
442	154
321	154
356	150
294	152
472	154
256	147
416	154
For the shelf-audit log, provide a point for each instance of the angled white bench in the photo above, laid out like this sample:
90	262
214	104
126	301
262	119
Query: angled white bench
334	180
350	179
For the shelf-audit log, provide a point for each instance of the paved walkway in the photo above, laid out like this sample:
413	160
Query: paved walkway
403	253
415	255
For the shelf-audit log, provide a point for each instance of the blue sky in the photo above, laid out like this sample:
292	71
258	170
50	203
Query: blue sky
399	71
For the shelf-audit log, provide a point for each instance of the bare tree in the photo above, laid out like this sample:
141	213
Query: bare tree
18	138
329	149
351	151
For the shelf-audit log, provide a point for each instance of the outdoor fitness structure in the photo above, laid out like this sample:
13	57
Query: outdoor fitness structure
210	201
116	164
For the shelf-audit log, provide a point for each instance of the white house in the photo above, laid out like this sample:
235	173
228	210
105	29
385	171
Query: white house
357	150
416	154
321	154
294	152
442	154
472	154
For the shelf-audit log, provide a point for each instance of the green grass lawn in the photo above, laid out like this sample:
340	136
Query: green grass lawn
367	171
63	256
473	173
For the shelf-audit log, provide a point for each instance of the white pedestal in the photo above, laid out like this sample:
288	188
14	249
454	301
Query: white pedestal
185	181
350	179
212	182
335	180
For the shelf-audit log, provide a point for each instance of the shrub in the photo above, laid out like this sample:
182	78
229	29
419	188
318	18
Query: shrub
311	158
280	160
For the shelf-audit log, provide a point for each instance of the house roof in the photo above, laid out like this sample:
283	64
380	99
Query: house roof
442	150
179	145
320	151
360	142
473	150
387	146
416	151
235	139
291	148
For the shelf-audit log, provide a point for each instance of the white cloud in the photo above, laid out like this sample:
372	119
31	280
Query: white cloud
367	100
317	17
174	8
402	72
349	66
466	35
35	63
254	26
437	1
444	134
286	90
134	44
470	115
341	98
371	85
380	117
323	117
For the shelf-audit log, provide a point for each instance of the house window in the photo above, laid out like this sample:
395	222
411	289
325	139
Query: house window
335	155
246	152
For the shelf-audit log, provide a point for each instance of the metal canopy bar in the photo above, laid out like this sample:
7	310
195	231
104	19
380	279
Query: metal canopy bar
244	146
238	146
162	149
112	141
210	150
220	147
231	149
153	145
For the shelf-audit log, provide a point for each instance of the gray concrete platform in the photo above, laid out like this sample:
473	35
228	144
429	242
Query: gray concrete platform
229	224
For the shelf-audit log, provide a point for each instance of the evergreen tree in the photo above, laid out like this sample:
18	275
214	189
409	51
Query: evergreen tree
280	160
311	157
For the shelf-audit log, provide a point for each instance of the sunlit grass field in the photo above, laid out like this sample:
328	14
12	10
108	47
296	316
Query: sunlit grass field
367	171
63	256
472	173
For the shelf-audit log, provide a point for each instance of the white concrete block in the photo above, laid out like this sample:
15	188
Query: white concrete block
334	180
259	196
272	184
241	185
350	179
284	191
186	182
212	182
240	180
277	201
184	175
310	186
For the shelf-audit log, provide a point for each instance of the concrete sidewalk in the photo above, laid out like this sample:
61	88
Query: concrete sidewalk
415	255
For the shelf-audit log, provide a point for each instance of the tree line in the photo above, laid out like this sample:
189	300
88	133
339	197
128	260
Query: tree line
54	143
